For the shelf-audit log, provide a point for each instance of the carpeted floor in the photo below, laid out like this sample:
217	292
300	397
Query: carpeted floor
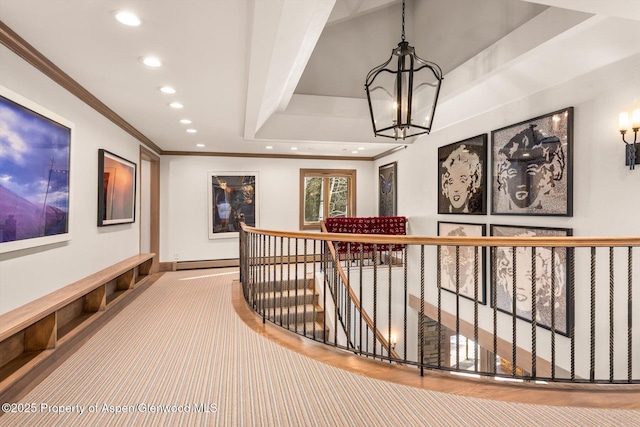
179	355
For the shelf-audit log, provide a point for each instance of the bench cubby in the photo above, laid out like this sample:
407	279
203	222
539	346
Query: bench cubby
30	334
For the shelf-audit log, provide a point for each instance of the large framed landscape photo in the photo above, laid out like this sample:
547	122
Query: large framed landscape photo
116	189
232	197
532	166
551	274
35	158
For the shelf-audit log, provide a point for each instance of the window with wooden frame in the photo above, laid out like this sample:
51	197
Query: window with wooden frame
326	193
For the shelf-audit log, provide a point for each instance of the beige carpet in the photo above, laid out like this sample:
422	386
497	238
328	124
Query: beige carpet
180	348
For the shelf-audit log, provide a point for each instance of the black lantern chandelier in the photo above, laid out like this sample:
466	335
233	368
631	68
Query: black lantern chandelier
402	101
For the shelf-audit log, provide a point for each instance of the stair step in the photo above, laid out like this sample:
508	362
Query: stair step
286	298
294	314
310	331
283	285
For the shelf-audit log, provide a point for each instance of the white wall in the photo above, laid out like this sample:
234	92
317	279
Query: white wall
605	191
184	206
31	273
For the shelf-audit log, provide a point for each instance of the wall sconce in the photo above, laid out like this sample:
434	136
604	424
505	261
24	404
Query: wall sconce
394	341
633	154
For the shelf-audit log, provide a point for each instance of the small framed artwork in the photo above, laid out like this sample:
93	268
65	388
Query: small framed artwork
462	178
35	165
116	189
387	199
551	275
532	166
232	199
464	276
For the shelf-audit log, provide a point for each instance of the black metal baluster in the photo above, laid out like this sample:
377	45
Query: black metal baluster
306	288
288	285
439	284
375	298
422	311
476	270
534	311
297	284
324	290
313	291
336	303
389	305
272	285
553	313
629	315
262	280
592	364
361	296
611	300
572	297
494	300
457	308
513	309
406	303
281	275
349	301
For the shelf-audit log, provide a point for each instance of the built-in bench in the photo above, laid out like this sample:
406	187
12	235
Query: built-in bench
31	334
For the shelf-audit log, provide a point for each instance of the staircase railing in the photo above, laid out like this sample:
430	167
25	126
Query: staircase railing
363	336
546	308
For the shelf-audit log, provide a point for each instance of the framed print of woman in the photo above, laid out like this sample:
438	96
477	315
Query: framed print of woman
532	167
460	267
550	276
461	177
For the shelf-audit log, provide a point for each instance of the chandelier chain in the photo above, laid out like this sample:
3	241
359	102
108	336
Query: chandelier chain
403	39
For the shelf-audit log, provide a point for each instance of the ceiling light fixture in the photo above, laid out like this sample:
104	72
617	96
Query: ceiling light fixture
167	89
151	61
269	147
127	18
294	148
191	131
185	121
200	145
402	101
176	105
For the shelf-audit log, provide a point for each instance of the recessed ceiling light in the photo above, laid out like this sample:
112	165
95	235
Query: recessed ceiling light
167	89
269	147
185	121
200	145
176	105
192	130
355	152
294	148
151	61
128	18
360	148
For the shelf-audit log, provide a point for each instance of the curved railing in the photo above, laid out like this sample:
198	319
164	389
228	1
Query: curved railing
447	302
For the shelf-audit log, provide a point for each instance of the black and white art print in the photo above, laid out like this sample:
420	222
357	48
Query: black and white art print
458	263
462	177
514	282
532	166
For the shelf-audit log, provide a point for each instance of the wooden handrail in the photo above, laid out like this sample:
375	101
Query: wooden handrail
356	302
486	241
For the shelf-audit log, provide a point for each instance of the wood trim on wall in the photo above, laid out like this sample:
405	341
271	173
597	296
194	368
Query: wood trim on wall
265	156
154	205
24	50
